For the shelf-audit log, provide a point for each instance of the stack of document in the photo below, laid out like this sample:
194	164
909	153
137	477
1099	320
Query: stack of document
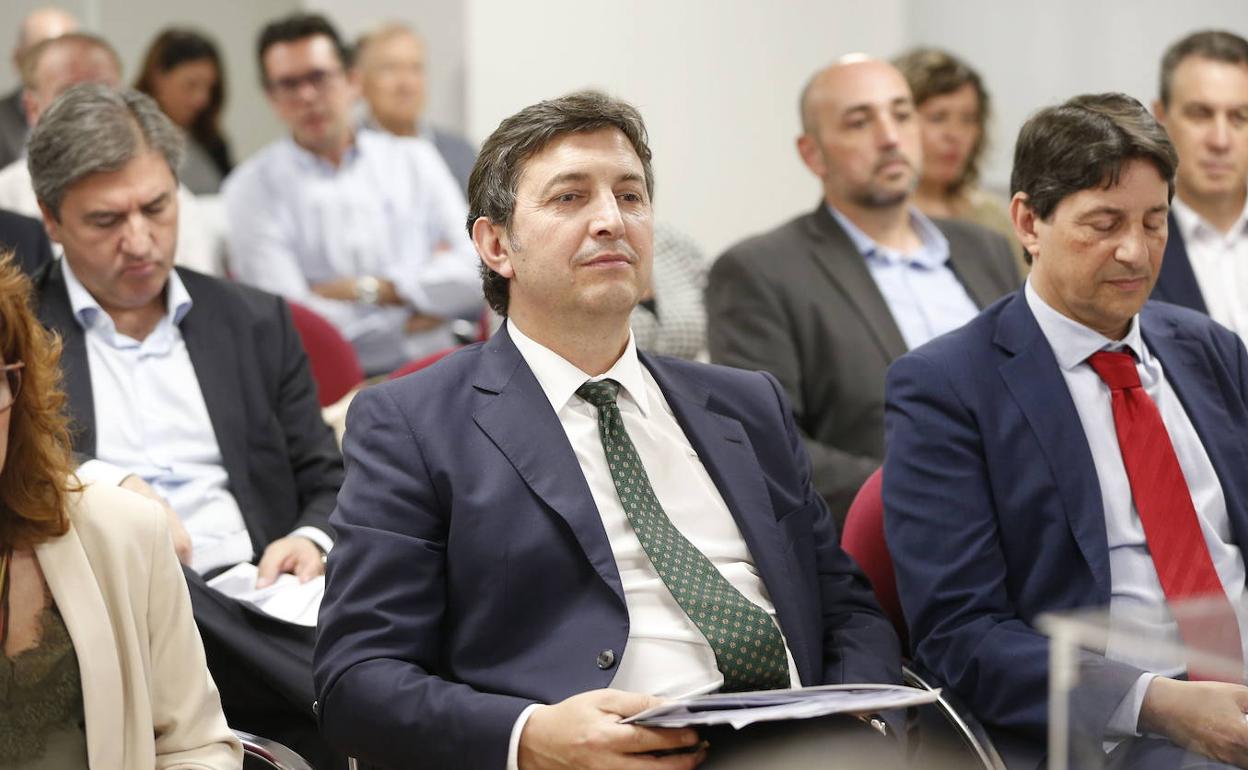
745	708
285	599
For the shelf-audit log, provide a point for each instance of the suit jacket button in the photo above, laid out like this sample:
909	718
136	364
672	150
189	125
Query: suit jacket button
606	659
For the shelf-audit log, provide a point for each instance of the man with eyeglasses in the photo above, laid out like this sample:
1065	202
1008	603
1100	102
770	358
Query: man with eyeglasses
364	228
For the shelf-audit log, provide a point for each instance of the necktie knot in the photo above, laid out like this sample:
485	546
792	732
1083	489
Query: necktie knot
601	393
1116	369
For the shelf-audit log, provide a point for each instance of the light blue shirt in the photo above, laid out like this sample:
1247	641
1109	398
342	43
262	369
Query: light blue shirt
1135	590
151	421
391	210
924	296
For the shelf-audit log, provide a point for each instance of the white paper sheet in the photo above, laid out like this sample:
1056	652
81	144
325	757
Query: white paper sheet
285	599
745	708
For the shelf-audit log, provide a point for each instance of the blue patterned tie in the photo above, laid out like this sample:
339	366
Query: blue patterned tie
748	647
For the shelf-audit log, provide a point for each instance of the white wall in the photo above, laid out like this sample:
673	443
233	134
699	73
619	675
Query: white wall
716	80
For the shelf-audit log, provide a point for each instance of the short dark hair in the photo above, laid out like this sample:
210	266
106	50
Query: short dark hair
1214	44
496	174
933	72
1084	143
296	27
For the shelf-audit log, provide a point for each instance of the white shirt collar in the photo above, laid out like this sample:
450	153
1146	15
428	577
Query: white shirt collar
1072	342
87	310
560	378
1192	226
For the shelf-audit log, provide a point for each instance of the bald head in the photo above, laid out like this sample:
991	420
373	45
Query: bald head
39	25
844	74
53	66
859	133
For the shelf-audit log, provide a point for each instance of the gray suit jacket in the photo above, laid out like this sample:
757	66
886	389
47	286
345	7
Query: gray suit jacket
12	128
800	303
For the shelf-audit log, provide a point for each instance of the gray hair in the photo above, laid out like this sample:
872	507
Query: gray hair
93	129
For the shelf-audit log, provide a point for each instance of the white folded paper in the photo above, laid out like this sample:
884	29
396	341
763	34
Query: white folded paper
285	599
744	708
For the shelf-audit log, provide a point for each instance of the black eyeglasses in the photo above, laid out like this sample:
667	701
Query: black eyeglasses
11	385
288	88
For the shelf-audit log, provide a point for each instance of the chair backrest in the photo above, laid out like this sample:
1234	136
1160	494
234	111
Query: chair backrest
863	539
335	366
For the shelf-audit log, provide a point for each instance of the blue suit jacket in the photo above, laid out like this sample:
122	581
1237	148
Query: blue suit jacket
472	575
1176	283
993	511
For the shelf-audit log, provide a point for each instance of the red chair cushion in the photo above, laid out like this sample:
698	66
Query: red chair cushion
863	539
335	366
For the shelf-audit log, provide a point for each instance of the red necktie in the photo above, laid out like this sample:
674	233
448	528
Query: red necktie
1164	503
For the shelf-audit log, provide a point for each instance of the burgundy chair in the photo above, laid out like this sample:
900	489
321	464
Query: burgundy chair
863	539
949	730
335	366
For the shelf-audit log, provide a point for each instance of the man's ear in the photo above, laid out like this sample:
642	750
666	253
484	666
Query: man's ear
493	246
29	108
812	156
1024	220
50	222
1159	111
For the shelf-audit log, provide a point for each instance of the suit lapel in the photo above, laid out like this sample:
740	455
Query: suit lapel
728	456
213	350
1177	280
55	313
527	431
1035	381
1204	398
77	595
836	254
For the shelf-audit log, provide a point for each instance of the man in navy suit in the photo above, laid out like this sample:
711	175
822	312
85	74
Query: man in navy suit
503	588
1204	106
1009	493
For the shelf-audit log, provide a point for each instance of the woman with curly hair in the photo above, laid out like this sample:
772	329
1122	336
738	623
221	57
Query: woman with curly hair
953	108
100	662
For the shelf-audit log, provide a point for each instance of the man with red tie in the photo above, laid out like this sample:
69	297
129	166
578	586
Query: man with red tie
1077	446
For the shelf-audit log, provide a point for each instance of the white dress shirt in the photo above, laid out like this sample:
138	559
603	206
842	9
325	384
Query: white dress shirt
390	210
201	225
1135	590
666	655
151	421
1220	262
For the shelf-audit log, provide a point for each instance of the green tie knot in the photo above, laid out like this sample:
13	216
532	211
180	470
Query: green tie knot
601	393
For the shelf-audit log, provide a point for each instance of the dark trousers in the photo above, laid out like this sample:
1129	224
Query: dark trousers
263	668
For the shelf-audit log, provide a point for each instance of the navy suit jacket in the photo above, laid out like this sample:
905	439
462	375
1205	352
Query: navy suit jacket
1176	283
472	575
993	511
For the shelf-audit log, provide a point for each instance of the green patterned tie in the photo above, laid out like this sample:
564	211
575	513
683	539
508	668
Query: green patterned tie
748	647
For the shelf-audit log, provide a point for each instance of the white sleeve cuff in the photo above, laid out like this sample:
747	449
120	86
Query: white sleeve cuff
513	745
317	536
100	472
1125	721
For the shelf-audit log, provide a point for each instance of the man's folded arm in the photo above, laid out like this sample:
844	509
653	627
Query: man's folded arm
382	621
942	530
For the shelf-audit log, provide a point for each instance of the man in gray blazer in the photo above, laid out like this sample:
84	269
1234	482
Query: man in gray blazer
828	300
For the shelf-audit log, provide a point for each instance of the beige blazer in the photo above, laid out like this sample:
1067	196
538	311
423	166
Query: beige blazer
147	695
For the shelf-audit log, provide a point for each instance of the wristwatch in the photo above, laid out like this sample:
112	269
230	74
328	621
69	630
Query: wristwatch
367	289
